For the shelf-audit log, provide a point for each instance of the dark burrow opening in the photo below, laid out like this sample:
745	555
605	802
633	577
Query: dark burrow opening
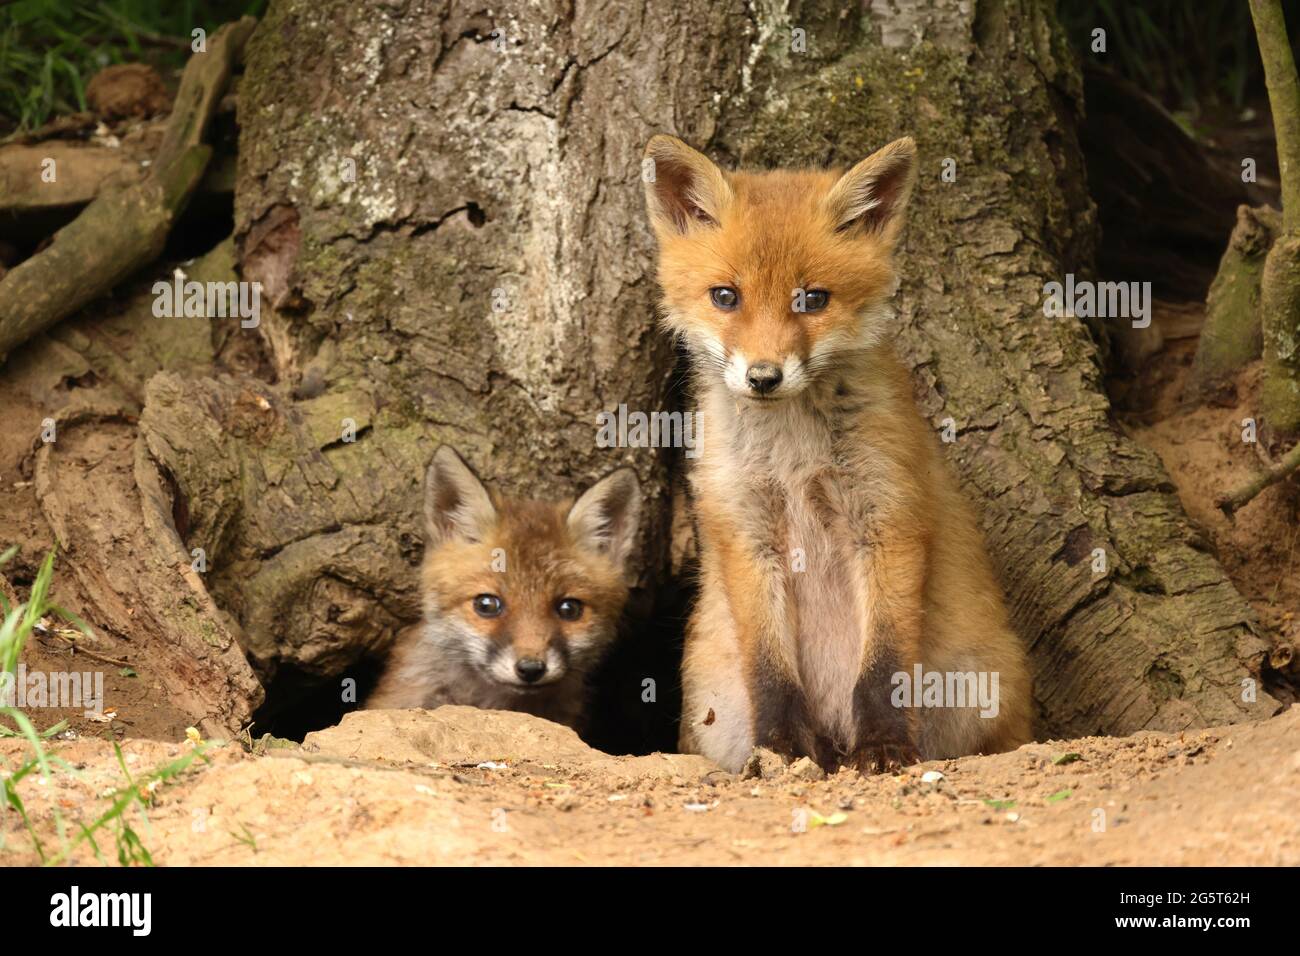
634	697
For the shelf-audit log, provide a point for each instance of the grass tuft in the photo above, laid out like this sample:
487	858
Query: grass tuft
135	794
49	49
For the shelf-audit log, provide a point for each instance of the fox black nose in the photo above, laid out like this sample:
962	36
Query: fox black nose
763	377
530	669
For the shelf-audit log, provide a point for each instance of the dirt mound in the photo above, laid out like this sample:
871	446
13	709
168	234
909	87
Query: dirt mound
460	786
465	736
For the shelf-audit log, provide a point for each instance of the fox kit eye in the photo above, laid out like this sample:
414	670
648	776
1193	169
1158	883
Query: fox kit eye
569	609
488	605
814	300
724	297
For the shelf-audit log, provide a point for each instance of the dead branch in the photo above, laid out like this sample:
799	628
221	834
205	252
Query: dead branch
123	230
1230	503
77	648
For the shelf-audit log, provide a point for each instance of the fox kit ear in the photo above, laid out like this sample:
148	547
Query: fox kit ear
455	502
875	191
683	187
605	518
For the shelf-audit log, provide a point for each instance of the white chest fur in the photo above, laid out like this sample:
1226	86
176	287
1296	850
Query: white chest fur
760	458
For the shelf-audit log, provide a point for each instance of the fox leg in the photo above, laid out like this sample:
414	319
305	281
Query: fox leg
716	710
756	594
885	735
890	593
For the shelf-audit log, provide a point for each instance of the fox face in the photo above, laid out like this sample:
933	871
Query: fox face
524	593
770	276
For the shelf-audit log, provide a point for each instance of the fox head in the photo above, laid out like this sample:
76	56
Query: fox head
769	276
524	592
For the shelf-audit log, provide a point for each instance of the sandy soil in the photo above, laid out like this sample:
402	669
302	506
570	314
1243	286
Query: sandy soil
416	787
1201	446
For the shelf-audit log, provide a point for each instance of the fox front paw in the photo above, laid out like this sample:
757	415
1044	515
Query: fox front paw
883	756
782	723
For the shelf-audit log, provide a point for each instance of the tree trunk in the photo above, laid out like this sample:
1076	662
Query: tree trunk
446	212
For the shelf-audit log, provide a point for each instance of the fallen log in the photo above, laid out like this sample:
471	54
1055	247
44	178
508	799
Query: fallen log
122	230
83	172
113	509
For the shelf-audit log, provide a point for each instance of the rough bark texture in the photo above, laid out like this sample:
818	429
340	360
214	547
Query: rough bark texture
452	233
112	509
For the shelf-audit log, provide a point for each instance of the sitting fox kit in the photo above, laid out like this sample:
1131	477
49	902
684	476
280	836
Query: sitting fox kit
838	559
521	598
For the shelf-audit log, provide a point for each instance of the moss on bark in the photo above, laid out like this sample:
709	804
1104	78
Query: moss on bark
1232	334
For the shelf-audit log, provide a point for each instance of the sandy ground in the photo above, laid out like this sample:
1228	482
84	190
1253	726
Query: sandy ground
460	786
1201	446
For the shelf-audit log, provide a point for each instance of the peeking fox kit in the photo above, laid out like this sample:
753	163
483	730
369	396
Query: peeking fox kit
839	562
521	598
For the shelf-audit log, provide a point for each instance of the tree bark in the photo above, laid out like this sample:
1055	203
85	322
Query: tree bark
445	211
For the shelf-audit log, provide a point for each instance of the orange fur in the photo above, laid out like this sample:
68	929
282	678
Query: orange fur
834	470
530	555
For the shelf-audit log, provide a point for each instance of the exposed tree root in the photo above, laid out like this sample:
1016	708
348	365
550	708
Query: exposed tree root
113	508
1233	331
